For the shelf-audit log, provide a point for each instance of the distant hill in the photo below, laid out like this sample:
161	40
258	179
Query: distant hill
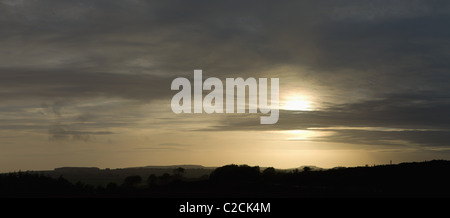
96	176
77	169
173	167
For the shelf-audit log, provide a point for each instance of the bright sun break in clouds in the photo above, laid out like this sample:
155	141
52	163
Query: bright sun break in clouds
305	135
297	103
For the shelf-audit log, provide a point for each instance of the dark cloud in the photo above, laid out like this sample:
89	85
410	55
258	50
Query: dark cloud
22	84
61	132
400	138
372	47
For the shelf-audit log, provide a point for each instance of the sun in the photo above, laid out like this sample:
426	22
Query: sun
297	103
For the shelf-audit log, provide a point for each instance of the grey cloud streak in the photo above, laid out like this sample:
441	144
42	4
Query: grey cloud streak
60	132
398	139
17	84
417	118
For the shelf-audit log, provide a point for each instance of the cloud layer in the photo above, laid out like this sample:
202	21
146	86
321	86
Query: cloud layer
75	70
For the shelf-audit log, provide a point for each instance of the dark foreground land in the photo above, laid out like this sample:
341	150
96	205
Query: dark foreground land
424	179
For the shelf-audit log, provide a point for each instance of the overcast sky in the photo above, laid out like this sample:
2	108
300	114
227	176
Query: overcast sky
87	83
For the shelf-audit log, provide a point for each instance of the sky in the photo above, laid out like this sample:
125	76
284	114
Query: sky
88	83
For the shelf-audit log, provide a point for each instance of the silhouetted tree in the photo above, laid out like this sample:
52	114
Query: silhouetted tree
270	171
306	169
235	173
27	184
165	178
178	172
111	187
269	174
151	180
132	181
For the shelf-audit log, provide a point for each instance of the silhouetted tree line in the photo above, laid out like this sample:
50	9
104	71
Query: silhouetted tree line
425	179
26	184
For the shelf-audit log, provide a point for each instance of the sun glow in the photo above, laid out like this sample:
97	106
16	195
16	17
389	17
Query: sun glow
299	134
305	135
297	103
